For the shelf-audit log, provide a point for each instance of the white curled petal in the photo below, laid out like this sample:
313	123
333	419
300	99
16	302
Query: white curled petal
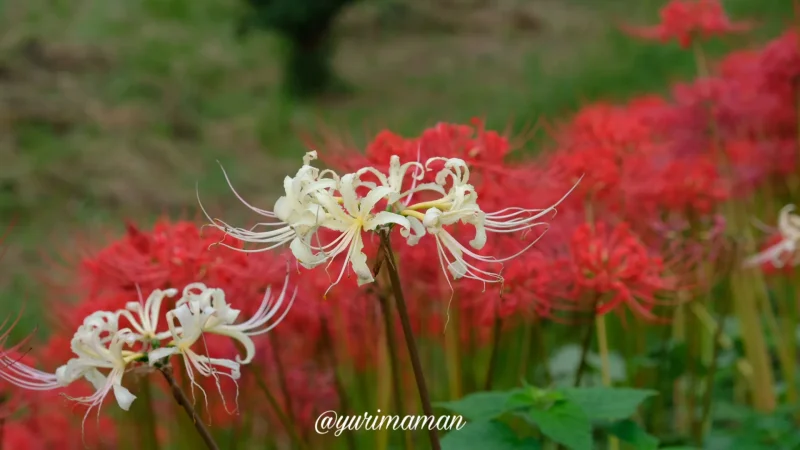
123	396
158	354
384	218
283	209
309	156
97	379
415	232
358	261
431	219
348	190
244	339
304	255
480	235
374	196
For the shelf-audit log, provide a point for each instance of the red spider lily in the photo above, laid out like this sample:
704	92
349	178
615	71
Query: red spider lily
689	185
531	289
611	267
687	20
616	127
780	65
313	392
19	435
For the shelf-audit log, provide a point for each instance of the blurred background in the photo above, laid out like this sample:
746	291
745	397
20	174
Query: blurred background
113	109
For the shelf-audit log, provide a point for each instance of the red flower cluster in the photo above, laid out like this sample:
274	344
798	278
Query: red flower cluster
687	20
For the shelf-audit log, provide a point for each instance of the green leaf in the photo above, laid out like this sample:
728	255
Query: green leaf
487	435
566	423
481	405
630	432
608	403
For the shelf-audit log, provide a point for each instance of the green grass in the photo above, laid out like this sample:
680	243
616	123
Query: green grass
126	105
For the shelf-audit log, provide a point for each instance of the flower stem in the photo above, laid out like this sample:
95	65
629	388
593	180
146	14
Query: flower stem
2	421
707	400
587	341
454	348
344	401
405	321
273	403
538	336
148	437
391	345
282	378
605	366
498	324
183	401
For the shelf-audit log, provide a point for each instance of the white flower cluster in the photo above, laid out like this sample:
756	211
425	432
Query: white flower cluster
786	249
320	199
103	351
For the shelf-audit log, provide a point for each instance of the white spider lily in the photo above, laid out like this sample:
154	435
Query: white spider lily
351	219
396	177
460	205
13	371
294	216
103	324
103	352
220	317
92	354
789	228
192	320
22	375
145	322
310	205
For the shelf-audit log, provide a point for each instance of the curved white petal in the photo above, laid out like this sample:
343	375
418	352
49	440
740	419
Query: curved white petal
123	396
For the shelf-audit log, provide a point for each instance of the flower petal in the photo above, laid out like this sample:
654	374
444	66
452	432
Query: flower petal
123	396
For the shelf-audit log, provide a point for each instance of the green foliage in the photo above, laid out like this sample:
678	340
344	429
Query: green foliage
608	404
740	428
481	405
630	432
565	416
564	422
487	434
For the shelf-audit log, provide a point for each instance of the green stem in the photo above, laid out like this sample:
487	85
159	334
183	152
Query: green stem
587	342
453	349
405	321
149	436
708	394
541	359
183	401
605	364
284	386
343	398
498	325
276	408
2	418
391	345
